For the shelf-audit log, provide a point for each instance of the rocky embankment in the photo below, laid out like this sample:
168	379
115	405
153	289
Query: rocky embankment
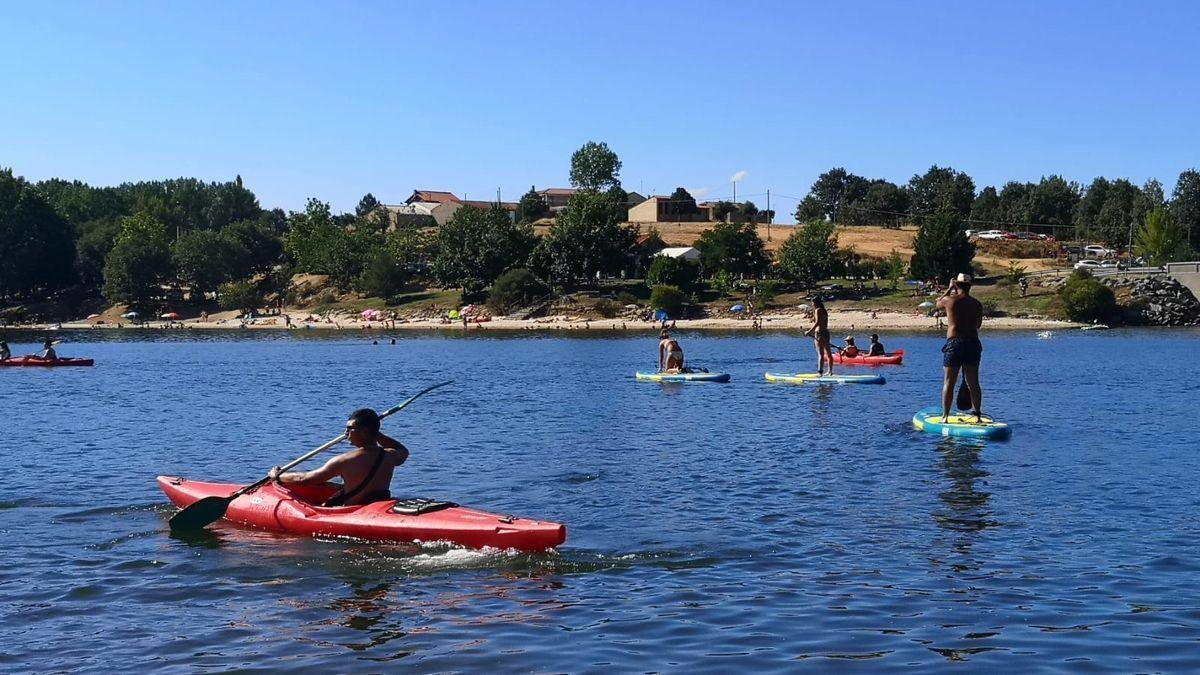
1159	301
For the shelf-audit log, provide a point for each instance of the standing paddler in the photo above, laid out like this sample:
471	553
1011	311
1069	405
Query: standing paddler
820	335
964	316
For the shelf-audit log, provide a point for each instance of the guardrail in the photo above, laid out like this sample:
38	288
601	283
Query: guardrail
1177	267
1105	271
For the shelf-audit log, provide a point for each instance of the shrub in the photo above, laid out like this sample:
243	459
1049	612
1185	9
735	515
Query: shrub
515	288
607	308
990	308
723	282
626	298
669	299
326	297
667	271
239	295
383	276
765	291
1085	299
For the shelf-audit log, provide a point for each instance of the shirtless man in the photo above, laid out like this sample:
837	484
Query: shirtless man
670	354
366	471
5	352
820	335
964	316
47	352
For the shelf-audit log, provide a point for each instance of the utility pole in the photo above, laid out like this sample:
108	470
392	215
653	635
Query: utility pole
770	214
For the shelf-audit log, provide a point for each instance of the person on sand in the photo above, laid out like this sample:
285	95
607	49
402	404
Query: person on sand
820	335
366	471
670	354
964	316
47	352
850	350
5	352
876	347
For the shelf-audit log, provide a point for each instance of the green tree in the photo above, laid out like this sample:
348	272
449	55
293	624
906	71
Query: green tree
985	210
1013	275
732	247
515	288
747	212
682	203
205	259
669	299
366	206
884	203
1161	239
1185	205
722	210
240	295
587	239
532	206
139	262
36	243
831	191
383	276
677	272
1087	210
476	246
809	254
95	239
1085	299
262	245
1121	212
312	238
895	268
1052	202
413	247
938	189
595	167
941	249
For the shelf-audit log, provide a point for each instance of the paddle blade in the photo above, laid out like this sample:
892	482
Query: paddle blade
199	514
964	396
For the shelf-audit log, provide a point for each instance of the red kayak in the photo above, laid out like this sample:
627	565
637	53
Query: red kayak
291	509
45	363
892	359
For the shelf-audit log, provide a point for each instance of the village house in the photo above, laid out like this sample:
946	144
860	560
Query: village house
657	210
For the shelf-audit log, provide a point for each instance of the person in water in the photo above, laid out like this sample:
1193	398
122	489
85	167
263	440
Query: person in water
850	350
5	352
47	352
964	316
876	347
670	354
820	335
366	471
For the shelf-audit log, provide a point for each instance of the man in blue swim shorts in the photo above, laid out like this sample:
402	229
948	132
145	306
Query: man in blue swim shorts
964	316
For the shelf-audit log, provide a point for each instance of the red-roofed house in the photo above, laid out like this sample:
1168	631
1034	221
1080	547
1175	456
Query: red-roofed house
433	196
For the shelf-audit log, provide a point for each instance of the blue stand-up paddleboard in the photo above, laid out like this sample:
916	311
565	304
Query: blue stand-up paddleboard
683	377
959	424
813	378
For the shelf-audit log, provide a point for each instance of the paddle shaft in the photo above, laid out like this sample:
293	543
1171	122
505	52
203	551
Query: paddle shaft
341	437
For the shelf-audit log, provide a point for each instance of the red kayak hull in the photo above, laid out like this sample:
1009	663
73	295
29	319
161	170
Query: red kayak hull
280	509
45	363
892	359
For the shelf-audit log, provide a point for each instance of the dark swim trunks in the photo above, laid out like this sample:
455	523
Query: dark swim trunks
959	352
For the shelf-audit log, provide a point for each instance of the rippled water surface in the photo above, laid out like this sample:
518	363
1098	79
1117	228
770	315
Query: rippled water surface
748	525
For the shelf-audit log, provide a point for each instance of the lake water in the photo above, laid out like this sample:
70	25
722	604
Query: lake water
749	525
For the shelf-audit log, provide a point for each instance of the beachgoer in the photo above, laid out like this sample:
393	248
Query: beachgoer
876	347
850	350
48	352
964	316
1024	284
366	471
5	352
670	354
820	335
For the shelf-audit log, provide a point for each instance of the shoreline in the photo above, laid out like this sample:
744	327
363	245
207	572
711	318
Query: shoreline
839	321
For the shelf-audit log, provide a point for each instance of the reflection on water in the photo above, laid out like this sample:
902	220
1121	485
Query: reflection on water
965	501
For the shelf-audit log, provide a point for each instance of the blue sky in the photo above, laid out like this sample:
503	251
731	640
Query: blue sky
333	100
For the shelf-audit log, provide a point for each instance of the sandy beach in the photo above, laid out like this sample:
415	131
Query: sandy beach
848	321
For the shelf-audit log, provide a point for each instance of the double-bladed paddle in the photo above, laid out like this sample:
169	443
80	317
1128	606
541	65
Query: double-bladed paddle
210	509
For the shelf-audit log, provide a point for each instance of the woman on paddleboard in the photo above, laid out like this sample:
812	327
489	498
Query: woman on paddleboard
670	354
820	335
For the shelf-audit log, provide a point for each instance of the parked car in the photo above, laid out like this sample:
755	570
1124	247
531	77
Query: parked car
1098	251
991	234
1095	264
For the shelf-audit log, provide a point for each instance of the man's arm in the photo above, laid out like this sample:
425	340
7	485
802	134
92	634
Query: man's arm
321	475
393	444
661	347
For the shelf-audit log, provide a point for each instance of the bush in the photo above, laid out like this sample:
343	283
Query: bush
326	297
677	272
626	298
722	282
669	299
239	295
990	308
765	290
607	308
515	288
1085	299
383	276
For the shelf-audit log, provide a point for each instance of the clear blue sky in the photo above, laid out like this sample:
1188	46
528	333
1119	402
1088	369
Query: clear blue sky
334	100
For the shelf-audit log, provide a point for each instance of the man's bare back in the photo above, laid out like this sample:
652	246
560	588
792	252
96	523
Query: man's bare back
964	315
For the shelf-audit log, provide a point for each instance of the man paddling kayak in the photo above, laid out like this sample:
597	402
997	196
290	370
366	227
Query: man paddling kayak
964	316
366	471
876	347
5	352
47	352
820	335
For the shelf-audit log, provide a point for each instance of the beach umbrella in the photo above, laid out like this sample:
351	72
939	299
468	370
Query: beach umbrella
169	315
454	315
925	305
660	315
737	308
93	316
